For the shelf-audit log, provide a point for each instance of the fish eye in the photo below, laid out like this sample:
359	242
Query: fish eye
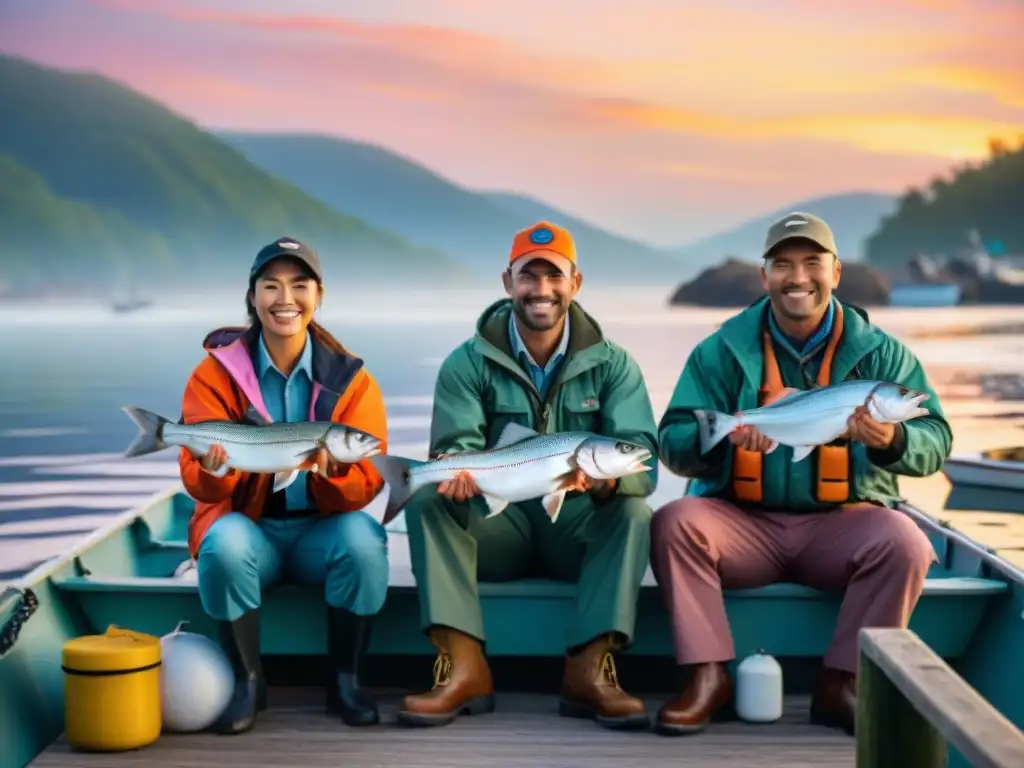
625	447
902	390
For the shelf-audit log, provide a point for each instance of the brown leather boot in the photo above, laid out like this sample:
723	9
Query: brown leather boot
709	690
835	701
590	689
462	682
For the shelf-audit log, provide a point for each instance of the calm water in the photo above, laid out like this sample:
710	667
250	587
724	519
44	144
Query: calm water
68	370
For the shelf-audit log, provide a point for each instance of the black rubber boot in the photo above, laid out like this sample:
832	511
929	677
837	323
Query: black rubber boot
348	638
240	639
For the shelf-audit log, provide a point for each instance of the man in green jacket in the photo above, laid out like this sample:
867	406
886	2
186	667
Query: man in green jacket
752	517
540	361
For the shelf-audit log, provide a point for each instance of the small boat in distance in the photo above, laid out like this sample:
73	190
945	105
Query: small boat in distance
998	468
130	305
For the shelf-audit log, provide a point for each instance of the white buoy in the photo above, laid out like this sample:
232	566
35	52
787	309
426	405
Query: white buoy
196	681
759	689
187	570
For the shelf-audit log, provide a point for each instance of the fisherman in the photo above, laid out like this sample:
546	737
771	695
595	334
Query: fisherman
286	367
752	517
537	360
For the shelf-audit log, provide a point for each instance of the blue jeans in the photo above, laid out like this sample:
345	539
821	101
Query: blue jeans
239	558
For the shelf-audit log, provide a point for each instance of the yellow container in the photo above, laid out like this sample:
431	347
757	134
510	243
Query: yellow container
112	691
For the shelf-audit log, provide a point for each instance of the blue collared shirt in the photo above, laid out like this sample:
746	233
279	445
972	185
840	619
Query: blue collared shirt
542	377
287	399
815	340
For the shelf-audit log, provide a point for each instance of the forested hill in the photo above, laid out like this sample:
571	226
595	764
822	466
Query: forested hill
99	184
987	197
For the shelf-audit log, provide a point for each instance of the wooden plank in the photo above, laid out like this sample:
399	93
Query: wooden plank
524	731
910	702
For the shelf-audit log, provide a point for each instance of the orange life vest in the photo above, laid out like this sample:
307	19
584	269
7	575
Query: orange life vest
833	477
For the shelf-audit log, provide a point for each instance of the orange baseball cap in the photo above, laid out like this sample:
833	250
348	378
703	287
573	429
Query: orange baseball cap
543	240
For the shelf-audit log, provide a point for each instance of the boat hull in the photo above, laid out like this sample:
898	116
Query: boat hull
122	574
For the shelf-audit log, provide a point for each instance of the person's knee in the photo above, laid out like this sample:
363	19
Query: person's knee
905	543
683	519
898	540
635	512
362	543
229	549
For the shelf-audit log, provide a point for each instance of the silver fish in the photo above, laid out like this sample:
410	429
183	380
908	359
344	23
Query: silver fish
281	447
522	465
805	420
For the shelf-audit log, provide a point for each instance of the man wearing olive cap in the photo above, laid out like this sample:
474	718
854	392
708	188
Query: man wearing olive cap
537	360
753	517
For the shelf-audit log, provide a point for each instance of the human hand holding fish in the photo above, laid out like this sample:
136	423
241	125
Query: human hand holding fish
215	458
522	465
749	438
863	410
282	449
865	429
327	466
459	488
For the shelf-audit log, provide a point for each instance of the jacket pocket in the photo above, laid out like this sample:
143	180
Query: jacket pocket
582	413
508	408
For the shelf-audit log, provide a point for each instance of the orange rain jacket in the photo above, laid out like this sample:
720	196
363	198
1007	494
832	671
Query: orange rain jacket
225	386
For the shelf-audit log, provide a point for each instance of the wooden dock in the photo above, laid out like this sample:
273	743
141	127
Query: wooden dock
524	731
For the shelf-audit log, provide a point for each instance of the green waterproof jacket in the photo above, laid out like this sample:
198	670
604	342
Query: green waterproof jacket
599	388
724	373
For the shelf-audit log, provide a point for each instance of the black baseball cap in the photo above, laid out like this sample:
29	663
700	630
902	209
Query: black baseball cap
290	247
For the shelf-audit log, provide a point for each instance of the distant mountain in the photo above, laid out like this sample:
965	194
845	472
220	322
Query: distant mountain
55	245
144	184
396	192
852	216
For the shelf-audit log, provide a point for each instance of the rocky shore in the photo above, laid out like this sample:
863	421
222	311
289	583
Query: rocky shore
737	283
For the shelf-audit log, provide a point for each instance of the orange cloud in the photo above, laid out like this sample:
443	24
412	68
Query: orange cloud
953	137
782	74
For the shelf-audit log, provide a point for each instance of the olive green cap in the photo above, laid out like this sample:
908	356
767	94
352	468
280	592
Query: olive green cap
803	226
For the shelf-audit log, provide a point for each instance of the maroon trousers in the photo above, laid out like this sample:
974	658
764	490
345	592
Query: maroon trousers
879	557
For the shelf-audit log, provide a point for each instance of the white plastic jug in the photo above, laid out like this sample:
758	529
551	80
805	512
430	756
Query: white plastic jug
759	689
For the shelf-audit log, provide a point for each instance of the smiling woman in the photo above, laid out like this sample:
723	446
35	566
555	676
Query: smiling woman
246	535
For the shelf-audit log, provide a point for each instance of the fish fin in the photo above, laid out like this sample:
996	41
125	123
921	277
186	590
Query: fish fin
552	504
283	479
772	447
255	418
801	452
513	433
151	428
713	426
222	470
396	473
496	505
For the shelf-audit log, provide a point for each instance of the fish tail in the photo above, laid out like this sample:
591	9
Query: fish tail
713	426
396	471
151	429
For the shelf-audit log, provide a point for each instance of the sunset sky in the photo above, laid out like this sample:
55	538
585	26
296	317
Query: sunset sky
665	119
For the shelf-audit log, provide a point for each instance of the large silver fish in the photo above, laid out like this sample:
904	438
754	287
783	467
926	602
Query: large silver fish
522	465
283	448
805	420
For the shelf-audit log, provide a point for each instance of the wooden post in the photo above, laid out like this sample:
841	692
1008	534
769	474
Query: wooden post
910	703
890	732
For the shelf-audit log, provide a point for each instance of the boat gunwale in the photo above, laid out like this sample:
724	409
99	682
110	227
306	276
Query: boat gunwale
987	555
46	569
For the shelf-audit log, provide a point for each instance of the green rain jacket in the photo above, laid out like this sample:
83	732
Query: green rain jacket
598	388
724	374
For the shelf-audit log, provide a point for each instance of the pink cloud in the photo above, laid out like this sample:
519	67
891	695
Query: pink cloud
785	105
